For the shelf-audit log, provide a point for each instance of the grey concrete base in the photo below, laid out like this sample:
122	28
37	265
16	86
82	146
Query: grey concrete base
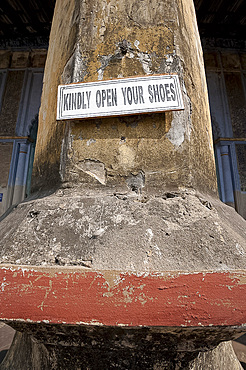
169	231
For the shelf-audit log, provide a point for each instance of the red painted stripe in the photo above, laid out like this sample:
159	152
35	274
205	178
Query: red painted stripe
122	298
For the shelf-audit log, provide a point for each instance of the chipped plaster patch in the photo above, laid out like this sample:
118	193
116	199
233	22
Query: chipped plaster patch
181	123
240	249
105	61
136	44
145	60
93	168
149	234
125	49
90	141
177	131
3	284
100	74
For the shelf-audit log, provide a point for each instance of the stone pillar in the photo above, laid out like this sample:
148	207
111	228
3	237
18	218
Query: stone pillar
126	256
100	40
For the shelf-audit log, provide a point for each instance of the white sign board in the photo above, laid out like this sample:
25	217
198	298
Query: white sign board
119	97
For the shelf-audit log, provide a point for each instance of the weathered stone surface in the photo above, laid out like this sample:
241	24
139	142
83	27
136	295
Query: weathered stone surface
109	348
172	231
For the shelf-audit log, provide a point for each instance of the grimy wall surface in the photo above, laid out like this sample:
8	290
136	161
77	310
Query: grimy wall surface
225	71
111	39
14	66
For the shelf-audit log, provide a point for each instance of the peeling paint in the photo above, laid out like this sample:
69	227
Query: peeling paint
127	298
145	60
181	126
177	132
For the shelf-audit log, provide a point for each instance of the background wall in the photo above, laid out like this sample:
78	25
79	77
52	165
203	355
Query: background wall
21	79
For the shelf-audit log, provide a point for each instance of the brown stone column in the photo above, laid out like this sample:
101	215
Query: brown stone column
105	40
127	203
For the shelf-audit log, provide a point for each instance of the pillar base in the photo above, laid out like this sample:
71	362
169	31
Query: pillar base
107	230
78	347
131	280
